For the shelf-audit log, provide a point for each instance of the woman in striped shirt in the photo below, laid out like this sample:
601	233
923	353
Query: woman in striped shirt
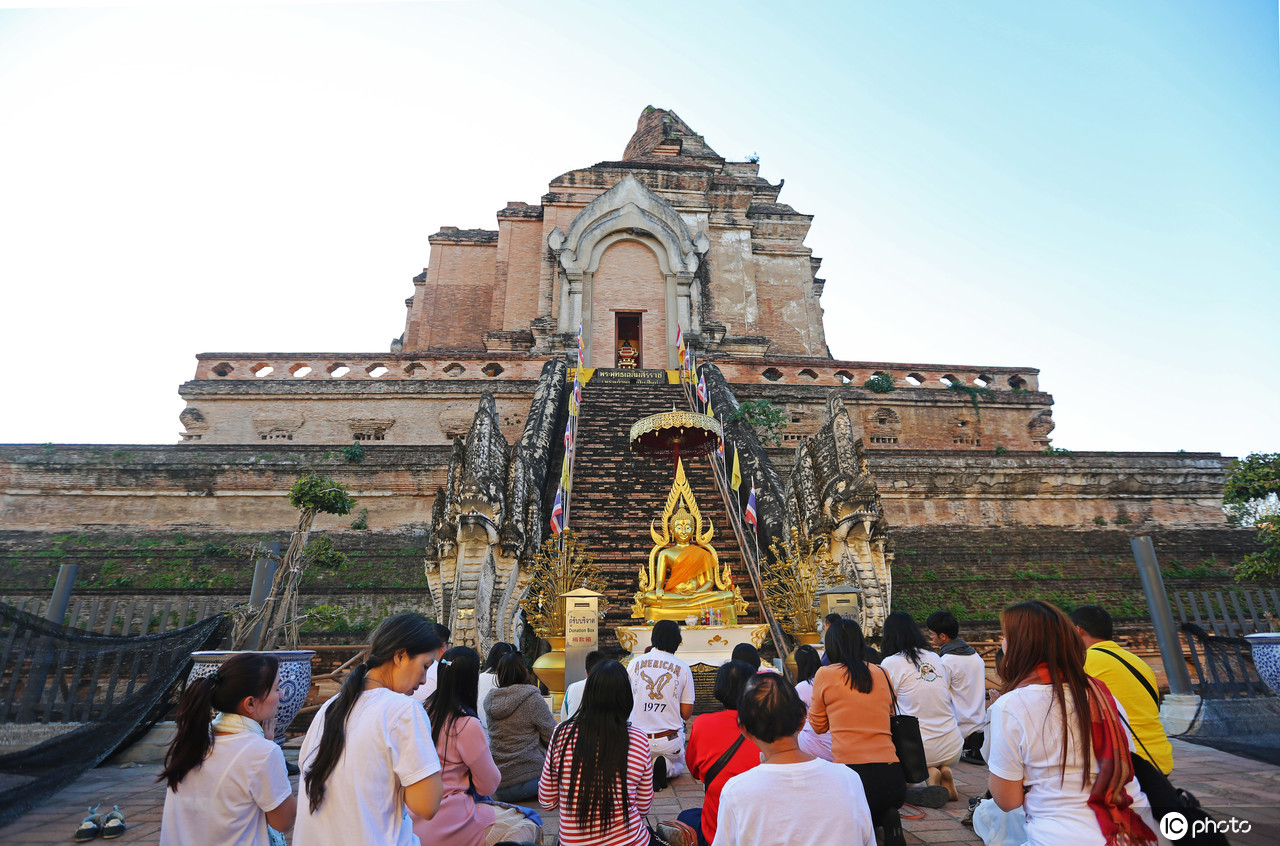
598	770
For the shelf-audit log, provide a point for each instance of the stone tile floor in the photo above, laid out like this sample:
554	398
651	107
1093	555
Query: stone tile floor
1227	785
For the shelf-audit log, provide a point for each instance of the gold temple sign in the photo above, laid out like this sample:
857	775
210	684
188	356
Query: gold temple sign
683	575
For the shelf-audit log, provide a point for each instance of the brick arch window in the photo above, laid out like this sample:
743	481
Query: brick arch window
883	425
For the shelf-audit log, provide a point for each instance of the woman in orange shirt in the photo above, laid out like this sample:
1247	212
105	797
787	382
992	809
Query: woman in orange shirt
852	700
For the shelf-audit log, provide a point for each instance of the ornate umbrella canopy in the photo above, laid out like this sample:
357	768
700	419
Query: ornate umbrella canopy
674	433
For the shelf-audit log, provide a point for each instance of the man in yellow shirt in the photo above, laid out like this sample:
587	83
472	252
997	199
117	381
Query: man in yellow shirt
1130	681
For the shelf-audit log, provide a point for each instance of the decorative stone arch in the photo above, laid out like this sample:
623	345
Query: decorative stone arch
629	211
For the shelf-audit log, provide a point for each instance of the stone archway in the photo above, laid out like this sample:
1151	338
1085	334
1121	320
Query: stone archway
628	212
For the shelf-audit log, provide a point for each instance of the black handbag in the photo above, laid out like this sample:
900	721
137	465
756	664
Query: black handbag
907	742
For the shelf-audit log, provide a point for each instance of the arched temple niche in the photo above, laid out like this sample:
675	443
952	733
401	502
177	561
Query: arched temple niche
628	218
629	293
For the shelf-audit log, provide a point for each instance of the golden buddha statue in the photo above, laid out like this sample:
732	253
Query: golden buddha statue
684	575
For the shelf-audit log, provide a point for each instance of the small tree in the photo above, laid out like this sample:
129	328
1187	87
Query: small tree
278	615
1251	497
763	416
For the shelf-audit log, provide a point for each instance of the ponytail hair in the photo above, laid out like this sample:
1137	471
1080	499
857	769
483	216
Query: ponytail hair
406	632
239	677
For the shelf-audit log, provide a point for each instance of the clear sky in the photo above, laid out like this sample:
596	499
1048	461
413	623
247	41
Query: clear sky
1090	188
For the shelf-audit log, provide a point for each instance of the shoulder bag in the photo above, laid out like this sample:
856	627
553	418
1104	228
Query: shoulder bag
722	761
905	730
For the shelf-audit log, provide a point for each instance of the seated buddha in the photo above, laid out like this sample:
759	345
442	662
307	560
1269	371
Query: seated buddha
684	577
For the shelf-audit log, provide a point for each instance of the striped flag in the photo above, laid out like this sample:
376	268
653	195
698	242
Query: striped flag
750	516
575	401
735	480
579	346
557	512
702	388
568	440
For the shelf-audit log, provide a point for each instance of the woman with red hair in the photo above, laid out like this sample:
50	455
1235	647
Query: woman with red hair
1058	747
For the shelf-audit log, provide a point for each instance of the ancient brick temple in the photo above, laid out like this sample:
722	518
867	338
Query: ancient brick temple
461	417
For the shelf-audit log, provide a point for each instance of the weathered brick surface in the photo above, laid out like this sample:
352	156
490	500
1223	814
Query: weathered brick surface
629	279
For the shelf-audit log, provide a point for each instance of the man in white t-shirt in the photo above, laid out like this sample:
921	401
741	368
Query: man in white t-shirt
662	686
431	682
968	673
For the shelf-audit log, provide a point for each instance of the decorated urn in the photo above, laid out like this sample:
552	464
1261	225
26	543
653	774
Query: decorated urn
1266	657
295	680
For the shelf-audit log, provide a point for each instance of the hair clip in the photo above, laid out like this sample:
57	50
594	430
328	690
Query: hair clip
445	662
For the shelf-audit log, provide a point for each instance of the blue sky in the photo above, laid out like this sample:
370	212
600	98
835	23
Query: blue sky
1091	188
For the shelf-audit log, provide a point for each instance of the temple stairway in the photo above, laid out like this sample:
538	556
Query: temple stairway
617	493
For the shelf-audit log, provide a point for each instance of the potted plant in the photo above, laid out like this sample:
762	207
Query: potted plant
273	624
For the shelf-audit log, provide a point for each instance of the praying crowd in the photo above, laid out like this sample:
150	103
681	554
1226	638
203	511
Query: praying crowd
426	744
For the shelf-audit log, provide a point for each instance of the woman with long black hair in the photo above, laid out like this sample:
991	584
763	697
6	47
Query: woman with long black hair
923	684
368	754
467	767
226	780
489	678
598	771
853	702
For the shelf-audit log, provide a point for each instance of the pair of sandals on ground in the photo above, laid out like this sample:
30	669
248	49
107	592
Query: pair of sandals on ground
109	825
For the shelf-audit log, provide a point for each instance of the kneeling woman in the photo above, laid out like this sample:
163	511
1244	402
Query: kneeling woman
227	785
467	768
368	754
598	771
1057	746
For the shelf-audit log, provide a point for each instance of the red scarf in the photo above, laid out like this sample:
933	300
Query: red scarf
1120	824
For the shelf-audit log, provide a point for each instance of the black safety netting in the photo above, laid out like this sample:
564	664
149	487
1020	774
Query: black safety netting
1238	712
107	691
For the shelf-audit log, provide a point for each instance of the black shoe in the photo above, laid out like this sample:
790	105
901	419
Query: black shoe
660	780
967	820
933	796
972	756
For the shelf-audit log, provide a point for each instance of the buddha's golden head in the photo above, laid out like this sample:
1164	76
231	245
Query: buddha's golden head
682	526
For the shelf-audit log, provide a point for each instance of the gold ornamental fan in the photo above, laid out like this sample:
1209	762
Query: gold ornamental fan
674	433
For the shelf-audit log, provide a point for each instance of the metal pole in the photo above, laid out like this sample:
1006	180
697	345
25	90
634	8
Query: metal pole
61	598
1175	666
264	571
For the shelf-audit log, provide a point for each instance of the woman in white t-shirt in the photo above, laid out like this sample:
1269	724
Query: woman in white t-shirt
923	685
807	663
1056	745
226	785
368	753
791	797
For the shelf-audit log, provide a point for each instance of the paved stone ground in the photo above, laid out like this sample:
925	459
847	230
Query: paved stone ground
1228	786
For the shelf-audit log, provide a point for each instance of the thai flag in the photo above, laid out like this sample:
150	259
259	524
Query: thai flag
720	450
702	387
568	438
579	345
750	516
577	394
557	512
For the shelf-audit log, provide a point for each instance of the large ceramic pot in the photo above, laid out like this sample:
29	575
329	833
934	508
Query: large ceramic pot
295	680
1266	657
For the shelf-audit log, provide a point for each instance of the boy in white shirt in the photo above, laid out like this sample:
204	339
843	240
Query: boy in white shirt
662	685
968	673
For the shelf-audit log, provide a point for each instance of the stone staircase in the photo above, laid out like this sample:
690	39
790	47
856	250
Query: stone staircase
617	493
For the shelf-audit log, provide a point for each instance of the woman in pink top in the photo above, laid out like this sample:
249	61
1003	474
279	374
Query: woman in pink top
465	764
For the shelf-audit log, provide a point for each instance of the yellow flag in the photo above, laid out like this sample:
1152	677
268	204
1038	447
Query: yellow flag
735	481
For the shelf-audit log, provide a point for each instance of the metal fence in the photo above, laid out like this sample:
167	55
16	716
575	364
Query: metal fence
130	617
1214	624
